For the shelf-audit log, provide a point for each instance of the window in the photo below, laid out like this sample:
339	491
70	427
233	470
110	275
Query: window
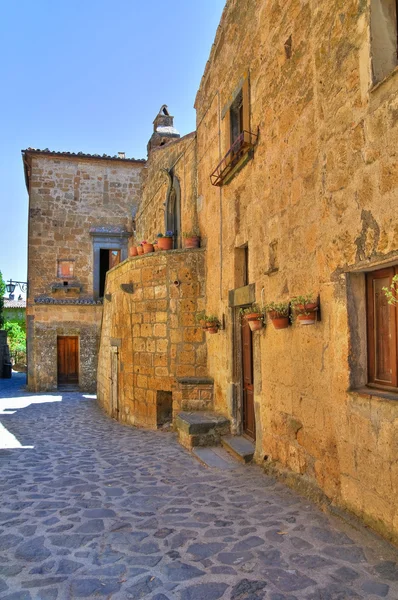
237	115
381	329
384	38
65	268
108	260
173	209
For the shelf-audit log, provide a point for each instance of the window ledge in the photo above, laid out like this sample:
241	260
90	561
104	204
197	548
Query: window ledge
375	86
367	392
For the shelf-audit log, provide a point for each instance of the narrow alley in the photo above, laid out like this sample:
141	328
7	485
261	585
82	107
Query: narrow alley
93	509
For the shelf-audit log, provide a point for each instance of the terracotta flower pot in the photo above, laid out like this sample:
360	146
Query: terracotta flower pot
133	251
147	248
278	321
255	321
192	242
155	247
140	250
165	243
211	327
306	313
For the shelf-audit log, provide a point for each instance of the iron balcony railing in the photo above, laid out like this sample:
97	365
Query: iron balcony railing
241	147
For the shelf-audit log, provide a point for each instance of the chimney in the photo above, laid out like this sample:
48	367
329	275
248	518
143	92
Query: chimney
121	154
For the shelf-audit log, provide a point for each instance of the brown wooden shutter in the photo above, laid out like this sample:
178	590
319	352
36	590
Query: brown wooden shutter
246	104
382	329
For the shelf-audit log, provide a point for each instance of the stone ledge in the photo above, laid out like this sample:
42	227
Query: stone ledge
200	422
195	380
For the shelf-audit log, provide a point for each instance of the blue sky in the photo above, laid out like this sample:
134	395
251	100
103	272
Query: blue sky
91	75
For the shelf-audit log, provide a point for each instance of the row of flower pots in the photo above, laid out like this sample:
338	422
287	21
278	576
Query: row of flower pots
303	308
164	242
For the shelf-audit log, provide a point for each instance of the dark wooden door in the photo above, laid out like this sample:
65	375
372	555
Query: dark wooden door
68	360
249	423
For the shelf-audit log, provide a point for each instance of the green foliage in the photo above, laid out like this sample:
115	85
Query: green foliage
392	292
202	318
2	292
253	308
190	234
16	336
280	308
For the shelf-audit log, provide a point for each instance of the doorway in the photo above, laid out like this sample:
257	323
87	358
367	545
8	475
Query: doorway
248	416
68	360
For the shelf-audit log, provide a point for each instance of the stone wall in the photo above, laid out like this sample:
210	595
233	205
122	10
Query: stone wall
180	156
43	328
149	322
72	200
316	207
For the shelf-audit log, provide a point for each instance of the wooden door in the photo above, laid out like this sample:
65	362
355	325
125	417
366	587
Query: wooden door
68	360
114	395
249	423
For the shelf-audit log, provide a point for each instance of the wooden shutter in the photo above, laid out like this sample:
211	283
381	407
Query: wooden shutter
382	329
246	104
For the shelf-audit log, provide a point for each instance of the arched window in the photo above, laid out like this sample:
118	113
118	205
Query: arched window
173	209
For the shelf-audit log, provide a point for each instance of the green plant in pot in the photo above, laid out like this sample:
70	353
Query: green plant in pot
254	315
191	238
209	323
278	312
305	308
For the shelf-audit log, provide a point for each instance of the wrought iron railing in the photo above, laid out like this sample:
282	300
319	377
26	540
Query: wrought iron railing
241	146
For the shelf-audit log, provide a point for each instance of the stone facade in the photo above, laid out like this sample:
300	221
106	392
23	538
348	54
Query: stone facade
311	210
316	208
149	329
77	205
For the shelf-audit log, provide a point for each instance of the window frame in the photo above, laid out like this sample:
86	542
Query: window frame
371	329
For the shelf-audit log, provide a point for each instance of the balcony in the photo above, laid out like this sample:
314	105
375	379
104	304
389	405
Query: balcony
236	157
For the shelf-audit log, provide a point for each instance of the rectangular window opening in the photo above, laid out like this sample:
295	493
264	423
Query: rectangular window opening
384	38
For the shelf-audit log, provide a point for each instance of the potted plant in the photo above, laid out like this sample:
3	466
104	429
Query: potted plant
278	312
212	324
208	323
191	239
147	247
165	242
305	308
140	249
254	315
133	251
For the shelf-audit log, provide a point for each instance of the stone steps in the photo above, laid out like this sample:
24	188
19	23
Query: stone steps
201	428
240	447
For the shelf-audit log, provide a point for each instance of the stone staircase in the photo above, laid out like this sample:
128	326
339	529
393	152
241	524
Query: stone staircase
198	429
204	432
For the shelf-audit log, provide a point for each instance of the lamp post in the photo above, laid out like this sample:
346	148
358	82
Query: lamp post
11	285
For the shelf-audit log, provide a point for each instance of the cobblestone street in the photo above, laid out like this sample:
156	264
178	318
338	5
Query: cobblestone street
94	509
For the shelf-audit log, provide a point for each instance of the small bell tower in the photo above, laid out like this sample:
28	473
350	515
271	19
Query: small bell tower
163	129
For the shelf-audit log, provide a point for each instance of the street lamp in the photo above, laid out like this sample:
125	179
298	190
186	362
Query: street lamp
11	285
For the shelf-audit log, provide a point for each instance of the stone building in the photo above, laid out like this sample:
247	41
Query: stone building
292	178
81	210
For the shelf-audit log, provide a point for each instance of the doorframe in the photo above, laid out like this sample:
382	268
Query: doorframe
69	335
114	411
238	298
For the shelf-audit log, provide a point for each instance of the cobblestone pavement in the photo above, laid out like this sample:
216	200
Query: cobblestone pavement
93	509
